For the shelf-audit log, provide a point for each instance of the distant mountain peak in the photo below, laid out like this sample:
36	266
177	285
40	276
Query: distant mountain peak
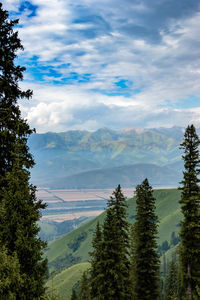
129	129
105	129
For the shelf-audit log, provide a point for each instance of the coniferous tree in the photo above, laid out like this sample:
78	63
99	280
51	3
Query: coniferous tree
164	265
11	282
10	93
197	296
115	283
85	287
96	271
74	295
146	257
18	228
132	259
172	282
190	206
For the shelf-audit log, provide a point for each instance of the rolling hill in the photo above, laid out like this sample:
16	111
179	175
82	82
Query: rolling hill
63	282
51	230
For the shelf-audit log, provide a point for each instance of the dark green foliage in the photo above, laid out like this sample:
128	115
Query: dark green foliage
11	281
19	229
74	295
132	259
85	287
146	257
10	115
77	289
64	262
163	248
75	244
197	296
52	295
190	206
19	208
174	240
164	265
172	282
115	265
96	270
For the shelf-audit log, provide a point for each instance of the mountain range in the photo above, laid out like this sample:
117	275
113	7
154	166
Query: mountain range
104	158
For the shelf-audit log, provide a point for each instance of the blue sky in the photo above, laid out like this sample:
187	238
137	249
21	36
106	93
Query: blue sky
116	64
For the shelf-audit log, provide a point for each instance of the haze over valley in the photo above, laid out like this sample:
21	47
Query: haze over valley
76	171
103	158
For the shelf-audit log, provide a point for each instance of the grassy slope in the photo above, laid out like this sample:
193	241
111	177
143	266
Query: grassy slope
167	210
63	282
50	231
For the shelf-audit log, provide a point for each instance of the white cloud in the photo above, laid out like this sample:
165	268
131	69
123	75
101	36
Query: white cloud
10	4
155	49
59	109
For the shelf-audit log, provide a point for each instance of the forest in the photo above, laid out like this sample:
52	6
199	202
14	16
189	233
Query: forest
125	259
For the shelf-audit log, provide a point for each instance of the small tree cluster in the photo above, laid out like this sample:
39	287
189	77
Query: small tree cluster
110	265
117	263
110	276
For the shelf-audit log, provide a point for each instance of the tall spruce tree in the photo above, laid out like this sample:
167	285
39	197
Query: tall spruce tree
146	257
18	227
190	206
132	259
20	210
172	282
10	93
115	283
96	271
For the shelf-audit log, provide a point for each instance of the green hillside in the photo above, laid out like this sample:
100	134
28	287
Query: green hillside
50	230
62	283
73	247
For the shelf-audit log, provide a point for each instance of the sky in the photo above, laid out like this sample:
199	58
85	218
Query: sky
109	63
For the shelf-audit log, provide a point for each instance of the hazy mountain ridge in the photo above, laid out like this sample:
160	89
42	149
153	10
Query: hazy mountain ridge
60	155
128	175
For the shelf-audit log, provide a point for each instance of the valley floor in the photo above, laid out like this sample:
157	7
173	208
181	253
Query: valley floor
67	204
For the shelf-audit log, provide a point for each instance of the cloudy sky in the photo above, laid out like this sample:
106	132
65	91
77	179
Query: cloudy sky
109	63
